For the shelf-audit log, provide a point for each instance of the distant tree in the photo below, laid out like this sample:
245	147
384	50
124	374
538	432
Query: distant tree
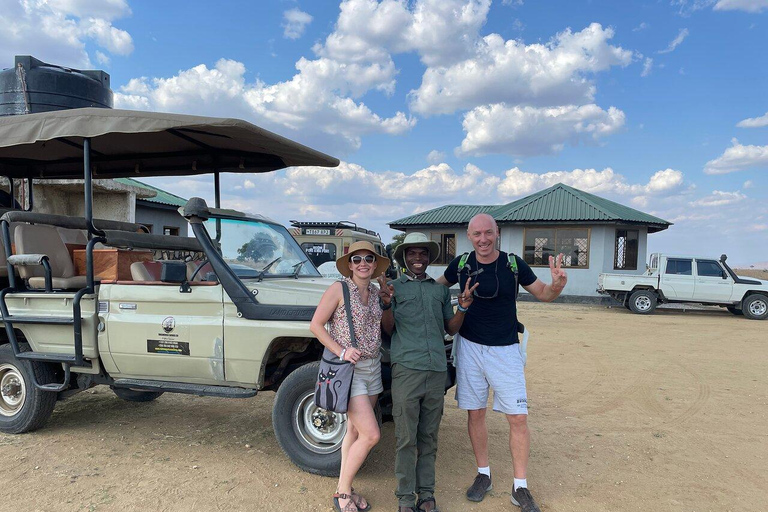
258	248
397	240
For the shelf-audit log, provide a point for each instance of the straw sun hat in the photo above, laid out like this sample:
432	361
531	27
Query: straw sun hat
342	262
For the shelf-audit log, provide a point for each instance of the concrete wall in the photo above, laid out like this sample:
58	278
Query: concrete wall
111	200
581	281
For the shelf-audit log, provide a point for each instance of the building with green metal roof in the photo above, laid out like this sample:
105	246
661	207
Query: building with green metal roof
159	212
594	234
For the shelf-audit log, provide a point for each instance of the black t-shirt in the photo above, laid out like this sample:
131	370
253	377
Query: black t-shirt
491	321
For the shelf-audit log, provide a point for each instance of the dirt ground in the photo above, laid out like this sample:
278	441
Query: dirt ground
667	412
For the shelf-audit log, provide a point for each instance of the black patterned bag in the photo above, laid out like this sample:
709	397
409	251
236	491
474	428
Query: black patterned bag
334	379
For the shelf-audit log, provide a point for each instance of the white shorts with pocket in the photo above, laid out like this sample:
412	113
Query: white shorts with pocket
367	378
480	367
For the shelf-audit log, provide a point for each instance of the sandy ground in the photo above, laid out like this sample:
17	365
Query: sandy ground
628	412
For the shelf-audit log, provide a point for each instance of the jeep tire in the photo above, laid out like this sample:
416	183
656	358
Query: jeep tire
311	437
755	307
642	302
135	395
23	407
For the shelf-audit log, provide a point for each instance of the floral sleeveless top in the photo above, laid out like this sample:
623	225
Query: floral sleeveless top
365	317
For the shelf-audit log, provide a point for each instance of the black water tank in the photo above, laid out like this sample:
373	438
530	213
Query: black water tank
33	86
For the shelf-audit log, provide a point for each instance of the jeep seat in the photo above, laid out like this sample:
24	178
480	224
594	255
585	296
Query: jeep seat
37	239
3	262
146	270
192	267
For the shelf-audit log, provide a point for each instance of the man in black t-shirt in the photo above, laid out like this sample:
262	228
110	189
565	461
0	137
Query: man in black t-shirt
487	352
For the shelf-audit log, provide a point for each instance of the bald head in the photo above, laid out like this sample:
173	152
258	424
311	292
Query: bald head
482	221
483	233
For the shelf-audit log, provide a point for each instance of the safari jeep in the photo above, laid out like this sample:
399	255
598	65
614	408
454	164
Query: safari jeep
224	313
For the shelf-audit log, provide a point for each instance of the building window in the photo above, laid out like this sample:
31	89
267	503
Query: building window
625	249
447	243
541	243
171	230
148	227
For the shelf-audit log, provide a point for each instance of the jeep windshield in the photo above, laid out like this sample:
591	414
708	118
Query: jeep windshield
258	250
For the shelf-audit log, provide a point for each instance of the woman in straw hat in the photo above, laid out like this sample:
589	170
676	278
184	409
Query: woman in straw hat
359	266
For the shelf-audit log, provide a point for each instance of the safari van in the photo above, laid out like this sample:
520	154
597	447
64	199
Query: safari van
326	241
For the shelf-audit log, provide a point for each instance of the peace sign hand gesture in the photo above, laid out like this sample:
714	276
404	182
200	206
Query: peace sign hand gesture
559	277
386	291
467	296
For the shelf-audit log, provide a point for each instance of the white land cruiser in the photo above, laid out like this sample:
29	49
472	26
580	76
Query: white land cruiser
690	279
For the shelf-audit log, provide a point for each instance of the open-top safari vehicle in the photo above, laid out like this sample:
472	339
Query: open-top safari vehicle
223	313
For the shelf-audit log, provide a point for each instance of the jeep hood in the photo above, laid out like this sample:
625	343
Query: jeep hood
288	291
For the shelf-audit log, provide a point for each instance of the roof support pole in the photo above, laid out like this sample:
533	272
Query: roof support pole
88	181
217	201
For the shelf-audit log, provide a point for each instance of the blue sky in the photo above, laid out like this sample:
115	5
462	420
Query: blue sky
657	104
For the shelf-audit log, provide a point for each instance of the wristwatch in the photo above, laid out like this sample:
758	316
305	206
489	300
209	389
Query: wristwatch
462	308
383	306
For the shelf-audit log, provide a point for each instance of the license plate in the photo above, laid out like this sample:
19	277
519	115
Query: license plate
317	231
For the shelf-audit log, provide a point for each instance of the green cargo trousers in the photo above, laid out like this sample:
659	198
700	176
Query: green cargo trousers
417	407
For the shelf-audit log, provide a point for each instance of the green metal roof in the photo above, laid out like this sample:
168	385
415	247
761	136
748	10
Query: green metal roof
449	214
559	203
162	196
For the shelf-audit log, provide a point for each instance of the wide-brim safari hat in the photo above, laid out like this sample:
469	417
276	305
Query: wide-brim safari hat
417	240
342	262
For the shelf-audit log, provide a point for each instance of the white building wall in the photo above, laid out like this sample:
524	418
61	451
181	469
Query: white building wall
581	281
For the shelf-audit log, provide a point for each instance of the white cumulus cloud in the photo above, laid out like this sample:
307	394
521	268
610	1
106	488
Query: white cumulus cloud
738	158
435	156
754	122
305	106
57	31
719	198
527	131
510	71
742	5
295	22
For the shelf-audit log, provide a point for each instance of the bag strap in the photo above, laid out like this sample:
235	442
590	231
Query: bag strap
512	264
348	307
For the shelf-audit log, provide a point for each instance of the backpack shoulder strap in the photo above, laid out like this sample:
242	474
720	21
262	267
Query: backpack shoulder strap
512	264
463	261
462	264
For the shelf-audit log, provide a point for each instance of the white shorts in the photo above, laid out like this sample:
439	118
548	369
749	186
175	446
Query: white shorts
367	378
480	367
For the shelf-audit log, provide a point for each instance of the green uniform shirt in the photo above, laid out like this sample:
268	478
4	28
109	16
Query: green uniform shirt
420	309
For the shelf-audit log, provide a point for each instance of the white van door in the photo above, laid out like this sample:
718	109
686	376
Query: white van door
677	281
713	284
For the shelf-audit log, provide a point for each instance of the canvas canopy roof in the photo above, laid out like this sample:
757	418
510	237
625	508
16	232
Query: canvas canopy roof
127	143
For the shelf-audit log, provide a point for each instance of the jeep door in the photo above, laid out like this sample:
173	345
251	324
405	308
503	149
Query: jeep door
713	284
157	331
677	280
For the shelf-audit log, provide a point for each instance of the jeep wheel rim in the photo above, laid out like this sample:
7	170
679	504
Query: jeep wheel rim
643	303
13	390
319	430
758	307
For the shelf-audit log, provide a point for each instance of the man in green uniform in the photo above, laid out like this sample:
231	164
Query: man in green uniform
417	313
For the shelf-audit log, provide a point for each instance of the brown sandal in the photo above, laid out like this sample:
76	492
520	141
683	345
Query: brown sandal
349	507
358	499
